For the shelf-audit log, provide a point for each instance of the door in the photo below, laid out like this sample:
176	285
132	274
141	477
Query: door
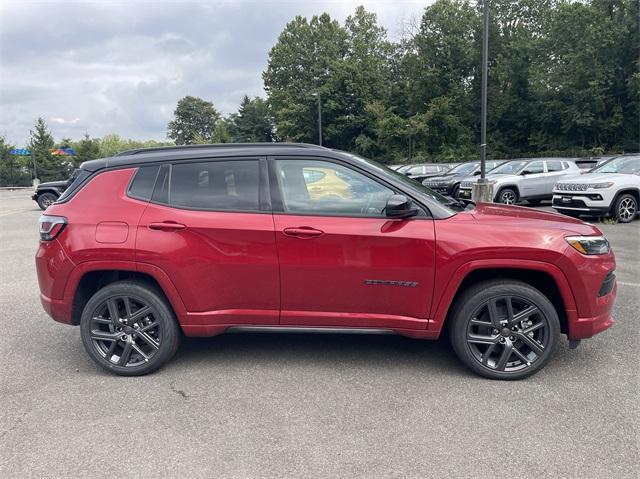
533	180
209	228
342	262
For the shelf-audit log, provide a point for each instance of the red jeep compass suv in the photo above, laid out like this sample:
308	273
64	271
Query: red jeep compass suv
155	243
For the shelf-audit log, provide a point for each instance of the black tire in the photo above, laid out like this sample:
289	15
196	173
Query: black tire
456	191
46	199
625	208
493	354
147	338
507	196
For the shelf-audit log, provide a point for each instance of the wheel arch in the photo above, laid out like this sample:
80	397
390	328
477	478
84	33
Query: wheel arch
635	192
545	277
88	278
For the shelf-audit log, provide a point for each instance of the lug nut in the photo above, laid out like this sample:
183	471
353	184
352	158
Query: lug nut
512	338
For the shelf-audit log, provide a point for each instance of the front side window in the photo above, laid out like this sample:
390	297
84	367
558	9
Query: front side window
533	168
325	188
509	168
215	185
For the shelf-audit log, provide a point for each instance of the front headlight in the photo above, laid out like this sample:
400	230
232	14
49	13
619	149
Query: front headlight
597	186
589	244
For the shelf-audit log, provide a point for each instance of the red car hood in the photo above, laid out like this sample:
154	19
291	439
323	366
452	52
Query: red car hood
527	217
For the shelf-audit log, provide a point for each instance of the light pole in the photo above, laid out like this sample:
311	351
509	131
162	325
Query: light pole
408	126
483	190
319	118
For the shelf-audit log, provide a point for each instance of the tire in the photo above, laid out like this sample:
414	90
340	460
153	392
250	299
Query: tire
490	351
625	208
46	199
455	192
147	347
507	196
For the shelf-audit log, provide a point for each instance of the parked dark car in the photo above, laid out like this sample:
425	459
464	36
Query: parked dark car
48	193
449	183
153	244
421	171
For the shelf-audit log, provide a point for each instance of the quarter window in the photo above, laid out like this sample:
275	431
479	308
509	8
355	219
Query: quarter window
216	185
319	187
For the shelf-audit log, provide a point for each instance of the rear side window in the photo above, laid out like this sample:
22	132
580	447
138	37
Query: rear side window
142	185
216	185
555	165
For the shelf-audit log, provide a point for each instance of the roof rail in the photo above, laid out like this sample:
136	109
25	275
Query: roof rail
135	151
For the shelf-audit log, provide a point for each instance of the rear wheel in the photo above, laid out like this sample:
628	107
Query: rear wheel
504	329
626	208
128	328
46	199
508	196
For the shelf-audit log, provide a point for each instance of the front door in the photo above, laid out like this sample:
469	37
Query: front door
342	262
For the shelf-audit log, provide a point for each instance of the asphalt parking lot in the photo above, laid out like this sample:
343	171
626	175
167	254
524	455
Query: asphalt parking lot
285	405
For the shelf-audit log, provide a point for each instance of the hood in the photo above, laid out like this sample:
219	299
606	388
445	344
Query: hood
529	218
596	178
54	184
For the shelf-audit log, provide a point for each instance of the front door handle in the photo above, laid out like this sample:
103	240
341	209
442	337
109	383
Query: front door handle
166	226
303	232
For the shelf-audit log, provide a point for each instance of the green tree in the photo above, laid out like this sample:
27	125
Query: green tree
86	149
253	122
13	170
193	118
48	166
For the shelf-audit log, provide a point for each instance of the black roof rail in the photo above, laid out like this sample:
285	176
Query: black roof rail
161	149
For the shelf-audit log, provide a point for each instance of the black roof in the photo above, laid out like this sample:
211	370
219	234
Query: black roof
186	152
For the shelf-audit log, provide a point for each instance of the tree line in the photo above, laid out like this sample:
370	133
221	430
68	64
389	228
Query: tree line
563	80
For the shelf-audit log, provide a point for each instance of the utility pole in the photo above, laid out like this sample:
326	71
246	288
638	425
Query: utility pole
483	190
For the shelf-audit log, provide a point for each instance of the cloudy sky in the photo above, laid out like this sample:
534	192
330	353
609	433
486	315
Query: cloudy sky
120	66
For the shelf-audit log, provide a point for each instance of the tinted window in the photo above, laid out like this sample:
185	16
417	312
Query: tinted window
142	184
216	185
320	187
77	178
555	165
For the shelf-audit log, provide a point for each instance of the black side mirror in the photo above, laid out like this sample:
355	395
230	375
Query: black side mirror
476	173
399	206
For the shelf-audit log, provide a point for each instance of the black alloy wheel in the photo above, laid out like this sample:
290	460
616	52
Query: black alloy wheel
505	330
129	329
46	199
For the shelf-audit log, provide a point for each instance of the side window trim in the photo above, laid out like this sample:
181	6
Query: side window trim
276	189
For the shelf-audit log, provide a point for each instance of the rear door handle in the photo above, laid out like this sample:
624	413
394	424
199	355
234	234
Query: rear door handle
166	226
303	232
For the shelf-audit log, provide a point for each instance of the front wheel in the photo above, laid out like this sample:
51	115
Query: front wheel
508	196
128	328
46	199
626	208
504	329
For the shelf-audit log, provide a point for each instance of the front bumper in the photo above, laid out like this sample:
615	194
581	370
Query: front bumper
579	203
34	197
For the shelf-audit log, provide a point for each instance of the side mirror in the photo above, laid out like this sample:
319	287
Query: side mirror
399	206
476	173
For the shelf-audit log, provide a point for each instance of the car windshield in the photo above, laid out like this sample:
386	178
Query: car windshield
509	168
411	184
622	164
464	169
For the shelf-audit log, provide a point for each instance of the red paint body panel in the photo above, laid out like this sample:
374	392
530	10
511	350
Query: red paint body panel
323	278
220	269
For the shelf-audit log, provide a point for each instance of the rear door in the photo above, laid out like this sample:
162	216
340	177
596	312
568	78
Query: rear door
209	228
556	169
342	262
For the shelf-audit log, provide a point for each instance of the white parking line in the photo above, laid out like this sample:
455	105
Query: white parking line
624	283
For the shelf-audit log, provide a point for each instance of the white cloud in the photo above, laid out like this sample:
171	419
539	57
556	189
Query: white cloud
121	66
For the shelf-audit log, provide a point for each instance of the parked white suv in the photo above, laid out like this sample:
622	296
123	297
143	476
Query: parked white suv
612	188
526	179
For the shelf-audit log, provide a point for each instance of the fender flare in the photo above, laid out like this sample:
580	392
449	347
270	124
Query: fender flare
512	186
163	280
453	286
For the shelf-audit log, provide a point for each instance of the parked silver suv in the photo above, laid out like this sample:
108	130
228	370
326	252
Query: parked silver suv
526	179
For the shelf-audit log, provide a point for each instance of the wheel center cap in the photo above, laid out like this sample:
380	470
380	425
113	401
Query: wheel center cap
506	332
